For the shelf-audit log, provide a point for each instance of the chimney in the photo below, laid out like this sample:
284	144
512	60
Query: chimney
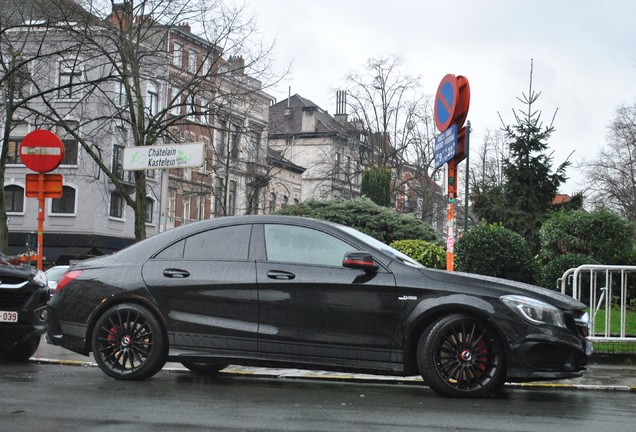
288	109
309	119
120	13
341	107
236	65
185	26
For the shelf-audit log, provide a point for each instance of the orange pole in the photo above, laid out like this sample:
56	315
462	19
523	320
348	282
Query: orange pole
40	220
450	222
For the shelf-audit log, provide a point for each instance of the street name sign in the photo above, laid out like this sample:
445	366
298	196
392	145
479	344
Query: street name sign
445	146
187	155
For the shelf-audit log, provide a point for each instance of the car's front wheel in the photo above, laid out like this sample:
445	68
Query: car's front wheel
461	356
203	367
128	343
20	351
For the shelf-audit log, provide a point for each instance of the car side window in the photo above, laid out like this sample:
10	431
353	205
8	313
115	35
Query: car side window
225	243
294	244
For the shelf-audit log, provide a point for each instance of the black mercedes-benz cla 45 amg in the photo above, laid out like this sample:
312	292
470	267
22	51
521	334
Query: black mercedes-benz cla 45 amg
302	293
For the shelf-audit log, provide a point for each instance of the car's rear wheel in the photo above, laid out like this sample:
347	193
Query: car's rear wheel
461	356
203	367
128	343
20	351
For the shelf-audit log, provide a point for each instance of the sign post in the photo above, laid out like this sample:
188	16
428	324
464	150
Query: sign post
451	109
42	151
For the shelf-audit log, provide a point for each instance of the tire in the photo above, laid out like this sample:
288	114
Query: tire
461	356
128	343
203	367
20	351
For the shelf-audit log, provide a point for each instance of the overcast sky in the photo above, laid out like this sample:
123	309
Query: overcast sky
584	56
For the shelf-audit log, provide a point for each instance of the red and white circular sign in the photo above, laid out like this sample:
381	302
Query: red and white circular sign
42	151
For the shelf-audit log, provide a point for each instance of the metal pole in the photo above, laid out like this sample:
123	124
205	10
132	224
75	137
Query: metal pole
467	176
450	223
40	220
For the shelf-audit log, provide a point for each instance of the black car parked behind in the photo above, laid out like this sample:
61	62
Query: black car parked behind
23	297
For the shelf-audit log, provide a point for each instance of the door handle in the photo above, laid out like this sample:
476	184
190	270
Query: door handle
280	275
175	273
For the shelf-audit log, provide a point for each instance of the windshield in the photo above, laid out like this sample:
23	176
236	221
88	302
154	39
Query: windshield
393	253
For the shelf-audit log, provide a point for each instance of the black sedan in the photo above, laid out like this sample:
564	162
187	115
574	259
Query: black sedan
23	297
303	293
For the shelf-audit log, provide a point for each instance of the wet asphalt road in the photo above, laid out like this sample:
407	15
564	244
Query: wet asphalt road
53	397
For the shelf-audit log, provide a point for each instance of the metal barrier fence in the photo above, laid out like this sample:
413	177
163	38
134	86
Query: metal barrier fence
610	294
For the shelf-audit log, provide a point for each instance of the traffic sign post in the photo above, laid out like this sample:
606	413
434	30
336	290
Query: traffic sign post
451	145
42	151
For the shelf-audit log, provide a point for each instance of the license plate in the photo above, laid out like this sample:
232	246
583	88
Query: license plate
8	316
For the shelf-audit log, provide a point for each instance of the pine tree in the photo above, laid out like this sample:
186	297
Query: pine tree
530	184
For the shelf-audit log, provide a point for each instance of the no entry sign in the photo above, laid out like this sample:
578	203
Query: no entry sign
42	151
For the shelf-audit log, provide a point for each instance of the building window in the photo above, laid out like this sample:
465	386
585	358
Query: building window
192	61
231	199
272	202
221	139
14	199
153	100
65	204
218	197
192	107
17	134
70	143
337	166
71	74
235	137
175	100
254	151
116	205
201	207
118	162
185	215
22	81
284	201
150	210
176	54
205	111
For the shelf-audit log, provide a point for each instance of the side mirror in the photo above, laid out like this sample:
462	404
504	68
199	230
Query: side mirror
360	261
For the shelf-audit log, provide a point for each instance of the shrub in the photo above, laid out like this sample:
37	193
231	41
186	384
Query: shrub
382	223
495	251
554	269
427	254
600	234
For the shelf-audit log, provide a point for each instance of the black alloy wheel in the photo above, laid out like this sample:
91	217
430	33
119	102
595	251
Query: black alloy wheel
128	343
203	367
461	356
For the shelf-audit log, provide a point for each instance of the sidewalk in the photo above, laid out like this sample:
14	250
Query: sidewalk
604	373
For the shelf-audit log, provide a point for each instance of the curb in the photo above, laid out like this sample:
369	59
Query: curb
292	374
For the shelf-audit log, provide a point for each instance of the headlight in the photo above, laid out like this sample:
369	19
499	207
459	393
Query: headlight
534	311
40	278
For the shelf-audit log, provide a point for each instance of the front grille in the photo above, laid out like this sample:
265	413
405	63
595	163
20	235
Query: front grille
13	299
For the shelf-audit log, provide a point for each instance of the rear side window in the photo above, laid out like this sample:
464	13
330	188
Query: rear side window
226	243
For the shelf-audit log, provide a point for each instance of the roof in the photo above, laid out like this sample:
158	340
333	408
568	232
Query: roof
17	12
282	123
278	159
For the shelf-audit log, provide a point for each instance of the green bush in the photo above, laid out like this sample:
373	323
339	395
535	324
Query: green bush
427	254
600	234
495	251
382	223
554	269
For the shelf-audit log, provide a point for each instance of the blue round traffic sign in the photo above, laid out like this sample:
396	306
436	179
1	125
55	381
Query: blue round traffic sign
446	102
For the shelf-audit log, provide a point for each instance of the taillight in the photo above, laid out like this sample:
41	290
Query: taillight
68	277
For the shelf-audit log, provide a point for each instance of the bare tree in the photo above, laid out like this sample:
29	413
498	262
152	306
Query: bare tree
611	176
122	74
27	28
399	122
